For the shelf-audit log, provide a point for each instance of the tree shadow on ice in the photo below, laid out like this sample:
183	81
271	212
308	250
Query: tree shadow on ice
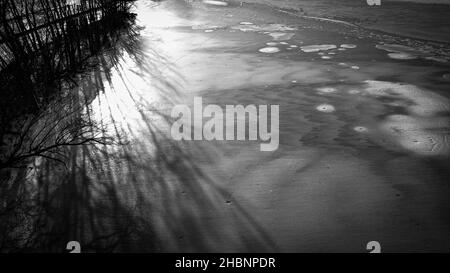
109	176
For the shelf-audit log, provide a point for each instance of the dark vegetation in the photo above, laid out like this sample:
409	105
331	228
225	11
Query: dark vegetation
49	51
67	174
43	45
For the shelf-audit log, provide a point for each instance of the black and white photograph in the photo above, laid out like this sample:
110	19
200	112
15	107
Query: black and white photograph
197	126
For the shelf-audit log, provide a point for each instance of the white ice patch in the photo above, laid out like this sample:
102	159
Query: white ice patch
326	108
354	92
327	89
281	36
326	57
401	56
424	103
317	48
278	32
437	59
399	52
271	44
354	67
270	49
348	46
246	23
264	28
395	48
423	136
215	3
205	27
293	46
423	130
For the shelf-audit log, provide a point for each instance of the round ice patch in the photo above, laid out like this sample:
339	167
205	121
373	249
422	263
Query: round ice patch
360	129
326	108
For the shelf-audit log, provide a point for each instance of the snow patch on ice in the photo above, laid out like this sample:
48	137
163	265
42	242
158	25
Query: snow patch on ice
349	46
354	92
264	28
317	48
401	56
215	3
423	130
437	59
400	52
327	89
206	27
270	49
281	36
